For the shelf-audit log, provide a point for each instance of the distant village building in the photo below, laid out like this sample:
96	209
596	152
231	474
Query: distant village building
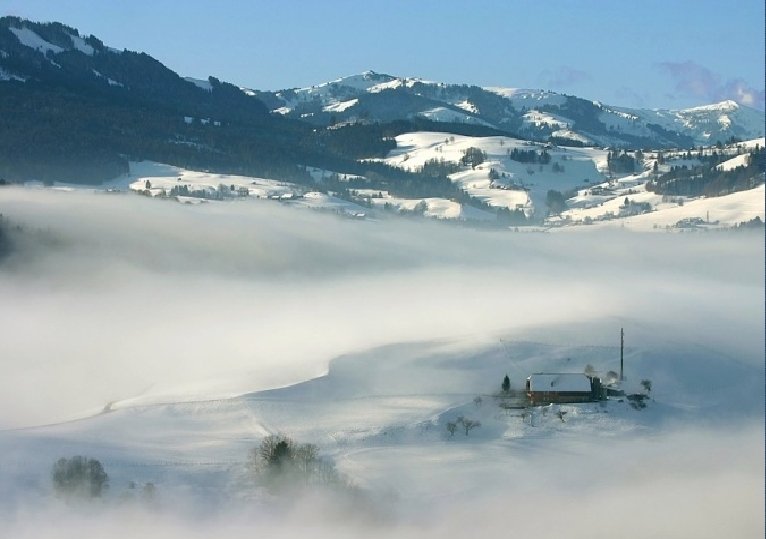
690	222
634	208
546	388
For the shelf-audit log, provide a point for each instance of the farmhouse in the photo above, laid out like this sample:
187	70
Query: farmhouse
546	388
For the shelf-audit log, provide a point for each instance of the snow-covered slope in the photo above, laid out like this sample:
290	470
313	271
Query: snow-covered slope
724	211
734	162
518	186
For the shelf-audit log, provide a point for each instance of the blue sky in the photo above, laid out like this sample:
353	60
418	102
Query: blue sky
646	53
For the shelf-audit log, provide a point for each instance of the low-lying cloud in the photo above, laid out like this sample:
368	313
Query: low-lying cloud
695	81
138	300
135	301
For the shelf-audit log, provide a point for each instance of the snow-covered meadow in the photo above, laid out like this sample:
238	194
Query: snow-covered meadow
167	340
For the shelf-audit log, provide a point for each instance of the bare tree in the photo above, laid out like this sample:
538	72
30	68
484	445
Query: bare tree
304	456
451	427
611	377
469	424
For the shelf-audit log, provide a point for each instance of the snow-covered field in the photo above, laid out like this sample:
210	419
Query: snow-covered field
168	340
726	211
163	178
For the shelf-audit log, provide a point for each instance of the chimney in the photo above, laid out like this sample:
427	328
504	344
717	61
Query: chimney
622	348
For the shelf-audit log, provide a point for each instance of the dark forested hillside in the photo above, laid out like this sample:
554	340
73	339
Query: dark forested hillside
707	179
75	110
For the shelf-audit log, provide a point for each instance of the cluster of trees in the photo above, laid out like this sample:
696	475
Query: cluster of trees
562	141
398	182
754	223
530	156
438	168
222	192
620	162
473	157
506	216
278	463
79	477
555	201
707	180
281	464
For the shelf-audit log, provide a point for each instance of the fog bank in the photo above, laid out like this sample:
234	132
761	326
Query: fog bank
121	298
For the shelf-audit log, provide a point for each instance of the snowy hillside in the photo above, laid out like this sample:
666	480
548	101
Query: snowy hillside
518	185
708	213
596	194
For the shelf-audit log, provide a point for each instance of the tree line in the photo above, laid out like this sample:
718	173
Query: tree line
707	180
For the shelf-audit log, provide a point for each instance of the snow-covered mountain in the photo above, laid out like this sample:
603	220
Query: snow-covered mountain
55	54
531	114
708	123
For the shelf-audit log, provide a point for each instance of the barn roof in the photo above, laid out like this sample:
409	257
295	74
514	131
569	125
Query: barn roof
559	381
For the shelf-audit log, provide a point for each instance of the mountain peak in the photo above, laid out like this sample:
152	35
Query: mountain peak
728	105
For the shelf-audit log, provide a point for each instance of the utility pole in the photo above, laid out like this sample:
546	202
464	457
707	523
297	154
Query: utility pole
622	348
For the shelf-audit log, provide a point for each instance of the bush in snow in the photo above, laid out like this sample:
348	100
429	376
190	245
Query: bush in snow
280	463
79	477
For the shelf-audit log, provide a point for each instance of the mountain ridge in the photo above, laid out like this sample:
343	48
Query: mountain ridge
76	109
602	124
